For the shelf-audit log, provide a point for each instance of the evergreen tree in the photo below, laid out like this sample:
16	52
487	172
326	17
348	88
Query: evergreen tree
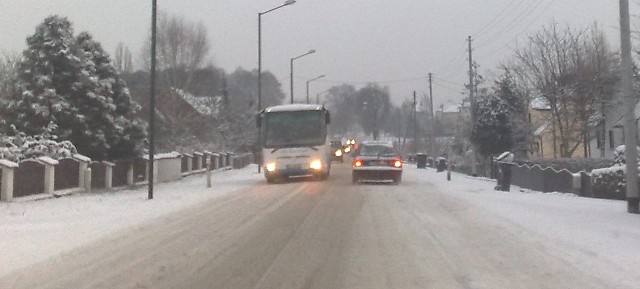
123	129
70	82
492	131
47	76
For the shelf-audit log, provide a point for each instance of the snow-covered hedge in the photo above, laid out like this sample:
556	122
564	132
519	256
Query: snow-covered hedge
609	183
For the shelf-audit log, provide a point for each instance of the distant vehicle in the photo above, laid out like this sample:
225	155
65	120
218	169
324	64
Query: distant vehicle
337	151
294	141
376	161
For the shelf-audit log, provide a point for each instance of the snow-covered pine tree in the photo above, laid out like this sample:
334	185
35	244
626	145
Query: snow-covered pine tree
492	131
124	130
45	78
69	81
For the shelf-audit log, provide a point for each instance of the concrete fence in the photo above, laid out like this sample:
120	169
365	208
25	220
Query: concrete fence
79	174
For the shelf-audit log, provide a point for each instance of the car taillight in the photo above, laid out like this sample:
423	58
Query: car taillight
397	163
357	163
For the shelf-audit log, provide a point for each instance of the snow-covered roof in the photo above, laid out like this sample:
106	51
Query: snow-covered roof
293	107
540	103
542	127
450	107
205	105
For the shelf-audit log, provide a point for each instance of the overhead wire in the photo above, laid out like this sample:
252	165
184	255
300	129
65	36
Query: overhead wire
542	13
529	9
492	21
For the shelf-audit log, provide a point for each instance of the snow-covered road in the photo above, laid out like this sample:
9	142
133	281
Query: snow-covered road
424	233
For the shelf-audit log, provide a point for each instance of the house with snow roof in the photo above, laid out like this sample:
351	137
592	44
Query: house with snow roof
546	136
605	130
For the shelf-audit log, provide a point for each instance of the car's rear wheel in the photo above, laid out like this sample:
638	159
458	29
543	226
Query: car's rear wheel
354	179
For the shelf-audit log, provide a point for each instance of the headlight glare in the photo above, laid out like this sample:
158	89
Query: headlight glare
271	167
316	164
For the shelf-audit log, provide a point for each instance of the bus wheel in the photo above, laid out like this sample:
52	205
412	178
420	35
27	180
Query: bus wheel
271	180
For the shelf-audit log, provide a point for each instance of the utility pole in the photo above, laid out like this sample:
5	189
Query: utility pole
472	108
152	99
432	131
415	124
630	127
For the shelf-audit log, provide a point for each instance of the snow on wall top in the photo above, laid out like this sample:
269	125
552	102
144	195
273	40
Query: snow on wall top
82	158
8	164
293	107
48	161
171	155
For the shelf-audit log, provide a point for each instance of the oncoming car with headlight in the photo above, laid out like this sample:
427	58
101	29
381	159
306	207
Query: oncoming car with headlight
294	141
376	161
337	151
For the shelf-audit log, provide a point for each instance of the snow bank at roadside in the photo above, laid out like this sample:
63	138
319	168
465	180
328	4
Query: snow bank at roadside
34	231
596	233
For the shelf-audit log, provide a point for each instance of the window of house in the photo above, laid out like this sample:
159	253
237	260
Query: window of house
611	141
599	139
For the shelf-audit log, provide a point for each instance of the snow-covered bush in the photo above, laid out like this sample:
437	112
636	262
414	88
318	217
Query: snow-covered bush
609	183
20	146
618	155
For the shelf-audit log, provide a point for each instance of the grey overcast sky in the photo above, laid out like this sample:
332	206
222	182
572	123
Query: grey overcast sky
393	42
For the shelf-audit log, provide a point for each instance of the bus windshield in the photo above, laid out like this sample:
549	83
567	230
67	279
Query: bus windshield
294	128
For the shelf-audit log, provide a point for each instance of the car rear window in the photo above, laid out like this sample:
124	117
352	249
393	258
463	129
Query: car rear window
375	150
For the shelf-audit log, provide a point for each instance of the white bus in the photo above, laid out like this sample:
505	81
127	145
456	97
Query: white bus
294	141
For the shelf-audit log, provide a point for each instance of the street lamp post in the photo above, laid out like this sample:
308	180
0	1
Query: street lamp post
286	3
291	76
321	76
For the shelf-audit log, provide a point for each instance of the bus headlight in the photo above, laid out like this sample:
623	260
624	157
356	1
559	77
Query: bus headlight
316	164
347	149
338	153
271	167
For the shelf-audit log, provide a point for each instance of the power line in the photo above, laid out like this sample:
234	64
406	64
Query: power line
359	82
529	9
542	13
447	81
492	21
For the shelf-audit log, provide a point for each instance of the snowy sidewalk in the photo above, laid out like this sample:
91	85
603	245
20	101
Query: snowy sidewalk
599	233
34	231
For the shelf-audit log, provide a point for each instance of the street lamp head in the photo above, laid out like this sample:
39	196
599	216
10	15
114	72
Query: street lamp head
312	51
289	2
